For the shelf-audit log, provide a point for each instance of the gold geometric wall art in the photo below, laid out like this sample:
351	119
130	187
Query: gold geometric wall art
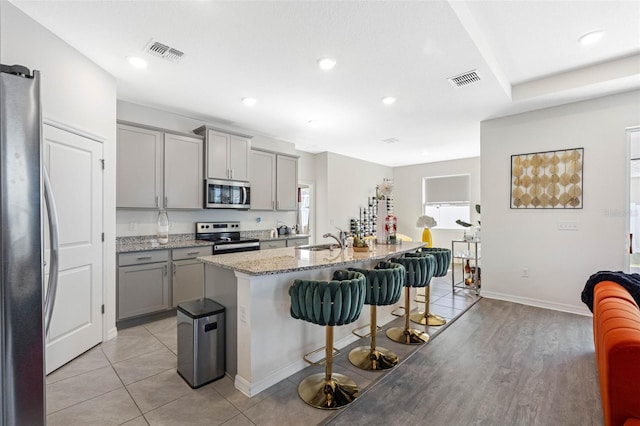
547	180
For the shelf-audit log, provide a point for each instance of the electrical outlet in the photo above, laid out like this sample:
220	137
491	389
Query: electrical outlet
567	226
243	314
133	226
525	272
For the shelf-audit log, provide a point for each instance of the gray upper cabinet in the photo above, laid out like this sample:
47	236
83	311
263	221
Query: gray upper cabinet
183	187
286	183
157	169
263	180
139	178
274	181
226	154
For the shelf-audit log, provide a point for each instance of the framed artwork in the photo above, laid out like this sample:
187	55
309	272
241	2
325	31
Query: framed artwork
547	180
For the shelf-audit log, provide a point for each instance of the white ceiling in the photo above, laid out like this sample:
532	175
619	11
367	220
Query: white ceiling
525	51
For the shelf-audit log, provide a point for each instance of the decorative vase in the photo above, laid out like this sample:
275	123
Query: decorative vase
381	236
426	237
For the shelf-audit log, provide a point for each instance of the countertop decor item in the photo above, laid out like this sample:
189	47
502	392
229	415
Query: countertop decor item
383	194
163	227
426	222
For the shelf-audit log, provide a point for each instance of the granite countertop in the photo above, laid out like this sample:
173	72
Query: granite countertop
149	242
283	260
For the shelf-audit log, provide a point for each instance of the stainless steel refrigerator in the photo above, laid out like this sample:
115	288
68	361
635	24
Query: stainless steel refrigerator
25	312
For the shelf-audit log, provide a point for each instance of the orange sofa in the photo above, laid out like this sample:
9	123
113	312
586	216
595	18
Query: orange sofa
616	332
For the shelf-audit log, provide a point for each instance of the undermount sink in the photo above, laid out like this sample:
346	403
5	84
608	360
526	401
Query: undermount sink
318	247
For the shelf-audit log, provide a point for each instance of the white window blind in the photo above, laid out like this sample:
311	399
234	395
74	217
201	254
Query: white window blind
446	199
446	189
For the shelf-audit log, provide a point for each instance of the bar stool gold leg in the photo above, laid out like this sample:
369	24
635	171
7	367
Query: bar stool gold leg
326	390
373	358
426	317
407	335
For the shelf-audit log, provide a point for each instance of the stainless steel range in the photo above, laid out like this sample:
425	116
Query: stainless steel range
226	237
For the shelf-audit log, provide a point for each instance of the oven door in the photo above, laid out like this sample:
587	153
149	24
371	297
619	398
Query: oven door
227	194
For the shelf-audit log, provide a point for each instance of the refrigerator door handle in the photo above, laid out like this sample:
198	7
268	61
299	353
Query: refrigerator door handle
52	216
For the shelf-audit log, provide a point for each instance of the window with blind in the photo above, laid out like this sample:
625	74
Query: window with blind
446	199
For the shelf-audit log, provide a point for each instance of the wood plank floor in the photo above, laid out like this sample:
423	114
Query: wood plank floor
500	363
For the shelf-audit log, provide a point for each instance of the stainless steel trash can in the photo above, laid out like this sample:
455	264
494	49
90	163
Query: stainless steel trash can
201	341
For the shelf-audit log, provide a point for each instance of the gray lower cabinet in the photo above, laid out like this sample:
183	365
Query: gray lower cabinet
295	242
273	244
143	283
188	274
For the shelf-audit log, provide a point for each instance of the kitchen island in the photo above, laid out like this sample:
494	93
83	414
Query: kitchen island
264	344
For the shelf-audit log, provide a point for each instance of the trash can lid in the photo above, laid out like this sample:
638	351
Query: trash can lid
200	308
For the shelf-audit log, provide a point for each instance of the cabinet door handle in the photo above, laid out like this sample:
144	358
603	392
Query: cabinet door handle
193	253
143	258
166	270
156	201
166	201
278	204
231	173
174	269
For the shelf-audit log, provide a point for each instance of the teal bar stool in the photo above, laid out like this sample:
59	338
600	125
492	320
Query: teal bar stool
328	303
443	259
419	271
384	287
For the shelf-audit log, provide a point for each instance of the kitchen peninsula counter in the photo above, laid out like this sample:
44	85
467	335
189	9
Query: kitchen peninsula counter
264	343
282	260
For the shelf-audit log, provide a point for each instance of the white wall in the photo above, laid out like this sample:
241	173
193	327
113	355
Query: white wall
408	196
343	185
143	222
77	93
559	262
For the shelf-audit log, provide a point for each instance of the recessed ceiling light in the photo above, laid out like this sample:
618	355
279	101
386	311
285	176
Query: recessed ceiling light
388	100
249	101
591	37
313	123
326	63
137	62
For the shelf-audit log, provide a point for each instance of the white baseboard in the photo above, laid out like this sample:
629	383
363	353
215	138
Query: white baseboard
562	307
112	333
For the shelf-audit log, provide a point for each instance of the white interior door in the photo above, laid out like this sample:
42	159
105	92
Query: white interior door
75	169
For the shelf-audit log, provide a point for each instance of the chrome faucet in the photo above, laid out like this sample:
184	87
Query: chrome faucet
328	234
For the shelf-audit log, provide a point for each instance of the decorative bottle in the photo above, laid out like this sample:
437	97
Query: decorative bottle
467	274
163	227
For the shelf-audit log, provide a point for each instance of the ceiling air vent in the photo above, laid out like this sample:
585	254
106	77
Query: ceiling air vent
163	51
465	79
390	140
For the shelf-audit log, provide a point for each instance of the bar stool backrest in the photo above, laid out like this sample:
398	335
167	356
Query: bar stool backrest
419	269
384	283
442	256
334	302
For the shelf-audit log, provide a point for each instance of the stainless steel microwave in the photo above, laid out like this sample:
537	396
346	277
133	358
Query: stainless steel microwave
227	194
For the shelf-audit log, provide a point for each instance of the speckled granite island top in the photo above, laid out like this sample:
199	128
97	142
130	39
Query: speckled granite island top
283	260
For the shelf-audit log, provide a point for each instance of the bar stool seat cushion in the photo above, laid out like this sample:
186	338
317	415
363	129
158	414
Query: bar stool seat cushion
334	302
384	283
419	269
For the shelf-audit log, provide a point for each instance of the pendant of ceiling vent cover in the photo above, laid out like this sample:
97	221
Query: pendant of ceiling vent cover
163	51
465	79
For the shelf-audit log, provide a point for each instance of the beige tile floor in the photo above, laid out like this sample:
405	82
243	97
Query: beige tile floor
132	380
